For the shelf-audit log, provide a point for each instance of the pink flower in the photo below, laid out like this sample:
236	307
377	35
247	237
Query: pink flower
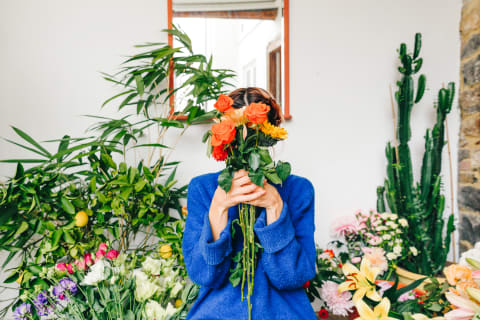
339	304
345	226
88	259
103	246
376	256
466	309
80	264
356	259
100	253
61	266
112	254
69	268
409	295
476	274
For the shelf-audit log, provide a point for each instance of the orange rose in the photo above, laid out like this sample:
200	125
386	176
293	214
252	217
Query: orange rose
257	112
223	132
223	103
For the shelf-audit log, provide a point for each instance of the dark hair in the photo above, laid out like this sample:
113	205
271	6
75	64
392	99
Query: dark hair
243	96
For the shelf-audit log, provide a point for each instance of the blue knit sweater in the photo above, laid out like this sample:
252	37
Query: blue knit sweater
285	264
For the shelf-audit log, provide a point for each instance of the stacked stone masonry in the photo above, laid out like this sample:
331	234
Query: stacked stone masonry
469	146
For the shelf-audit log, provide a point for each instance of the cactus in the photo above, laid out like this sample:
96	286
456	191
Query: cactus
421	204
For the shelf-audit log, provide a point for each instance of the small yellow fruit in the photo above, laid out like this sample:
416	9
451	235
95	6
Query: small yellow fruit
81	219
184	211
178	303
165	251
20	278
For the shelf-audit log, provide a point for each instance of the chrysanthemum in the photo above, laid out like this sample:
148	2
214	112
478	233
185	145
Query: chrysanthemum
273	131
340	304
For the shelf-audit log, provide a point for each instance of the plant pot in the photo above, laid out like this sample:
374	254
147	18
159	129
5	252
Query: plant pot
406	277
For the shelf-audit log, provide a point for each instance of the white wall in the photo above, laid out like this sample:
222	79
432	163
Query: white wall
343	58
52	53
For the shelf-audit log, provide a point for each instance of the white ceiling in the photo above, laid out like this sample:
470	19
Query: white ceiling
211	5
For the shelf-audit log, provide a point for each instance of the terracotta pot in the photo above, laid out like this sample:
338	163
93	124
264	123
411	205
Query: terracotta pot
406	277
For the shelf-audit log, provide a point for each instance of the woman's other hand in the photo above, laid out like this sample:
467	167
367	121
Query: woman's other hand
271	201
242	191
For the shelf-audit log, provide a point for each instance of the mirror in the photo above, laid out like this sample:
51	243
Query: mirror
246	36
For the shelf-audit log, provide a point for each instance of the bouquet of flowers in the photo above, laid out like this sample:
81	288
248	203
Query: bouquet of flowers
107	285
241	137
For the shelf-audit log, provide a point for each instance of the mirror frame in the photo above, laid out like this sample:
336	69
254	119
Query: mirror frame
286	62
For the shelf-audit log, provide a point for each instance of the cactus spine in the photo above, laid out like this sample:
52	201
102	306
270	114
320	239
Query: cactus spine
422	204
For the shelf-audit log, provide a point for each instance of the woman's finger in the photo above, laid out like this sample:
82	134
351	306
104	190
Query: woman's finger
242	181
248	188
240	173
251	196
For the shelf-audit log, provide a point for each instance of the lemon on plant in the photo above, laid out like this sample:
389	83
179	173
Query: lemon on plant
178	303
20	278
81	219
165	251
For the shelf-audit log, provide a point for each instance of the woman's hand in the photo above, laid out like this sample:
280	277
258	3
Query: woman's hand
271	201
242	191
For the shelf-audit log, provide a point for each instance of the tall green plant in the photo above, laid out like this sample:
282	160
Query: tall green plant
39	203
421	204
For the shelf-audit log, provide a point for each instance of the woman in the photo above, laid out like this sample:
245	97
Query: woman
284	227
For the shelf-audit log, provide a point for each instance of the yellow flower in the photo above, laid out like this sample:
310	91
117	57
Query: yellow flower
362	281
178	303
380	312
273	131
421	316
165	251
184	211
81	219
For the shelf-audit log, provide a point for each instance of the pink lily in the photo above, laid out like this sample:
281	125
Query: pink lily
466	309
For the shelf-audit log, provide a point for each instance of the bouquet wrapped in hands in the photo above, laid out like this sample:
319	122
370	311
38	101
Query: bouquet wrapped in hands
241	137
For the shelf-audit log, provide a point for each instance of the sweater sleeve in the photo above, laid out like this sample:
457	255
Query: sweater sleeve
288	243
207	261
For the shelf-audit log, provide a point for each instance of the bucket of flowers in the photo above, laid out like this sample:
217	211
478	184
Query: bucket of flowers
109	285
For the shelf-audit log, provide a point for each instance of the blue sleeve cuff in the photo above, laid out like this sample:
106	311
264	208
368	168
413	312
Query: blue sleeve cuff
214	251
277	235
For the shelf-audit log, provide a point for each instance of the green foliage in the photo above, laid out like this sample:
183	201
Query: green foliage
422	205
122	201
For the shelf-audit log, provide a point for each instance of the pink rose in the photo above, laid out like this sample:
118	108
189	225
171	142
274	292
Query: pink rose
103	246
112	254
100	253
80	264
88	259
61	266
69	268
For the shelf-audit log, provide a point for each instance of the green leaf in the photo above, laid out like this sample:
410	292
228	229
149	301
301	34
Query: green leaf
283	170
140	185
140	84
150	145
169	122
225	179
116	96
273	177
257	178
56	237
67	205
254	161
23	227
30	140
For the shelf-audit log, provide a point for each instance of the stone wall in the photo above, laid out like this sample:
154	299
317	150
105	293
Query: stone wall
469	146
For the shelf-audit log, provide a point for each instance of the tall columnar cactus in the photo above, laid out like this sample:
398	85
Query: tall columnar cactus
421	204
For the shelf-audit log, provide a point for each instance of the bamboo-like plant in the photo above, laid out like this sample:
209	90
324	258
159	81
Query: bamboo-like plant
422	204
